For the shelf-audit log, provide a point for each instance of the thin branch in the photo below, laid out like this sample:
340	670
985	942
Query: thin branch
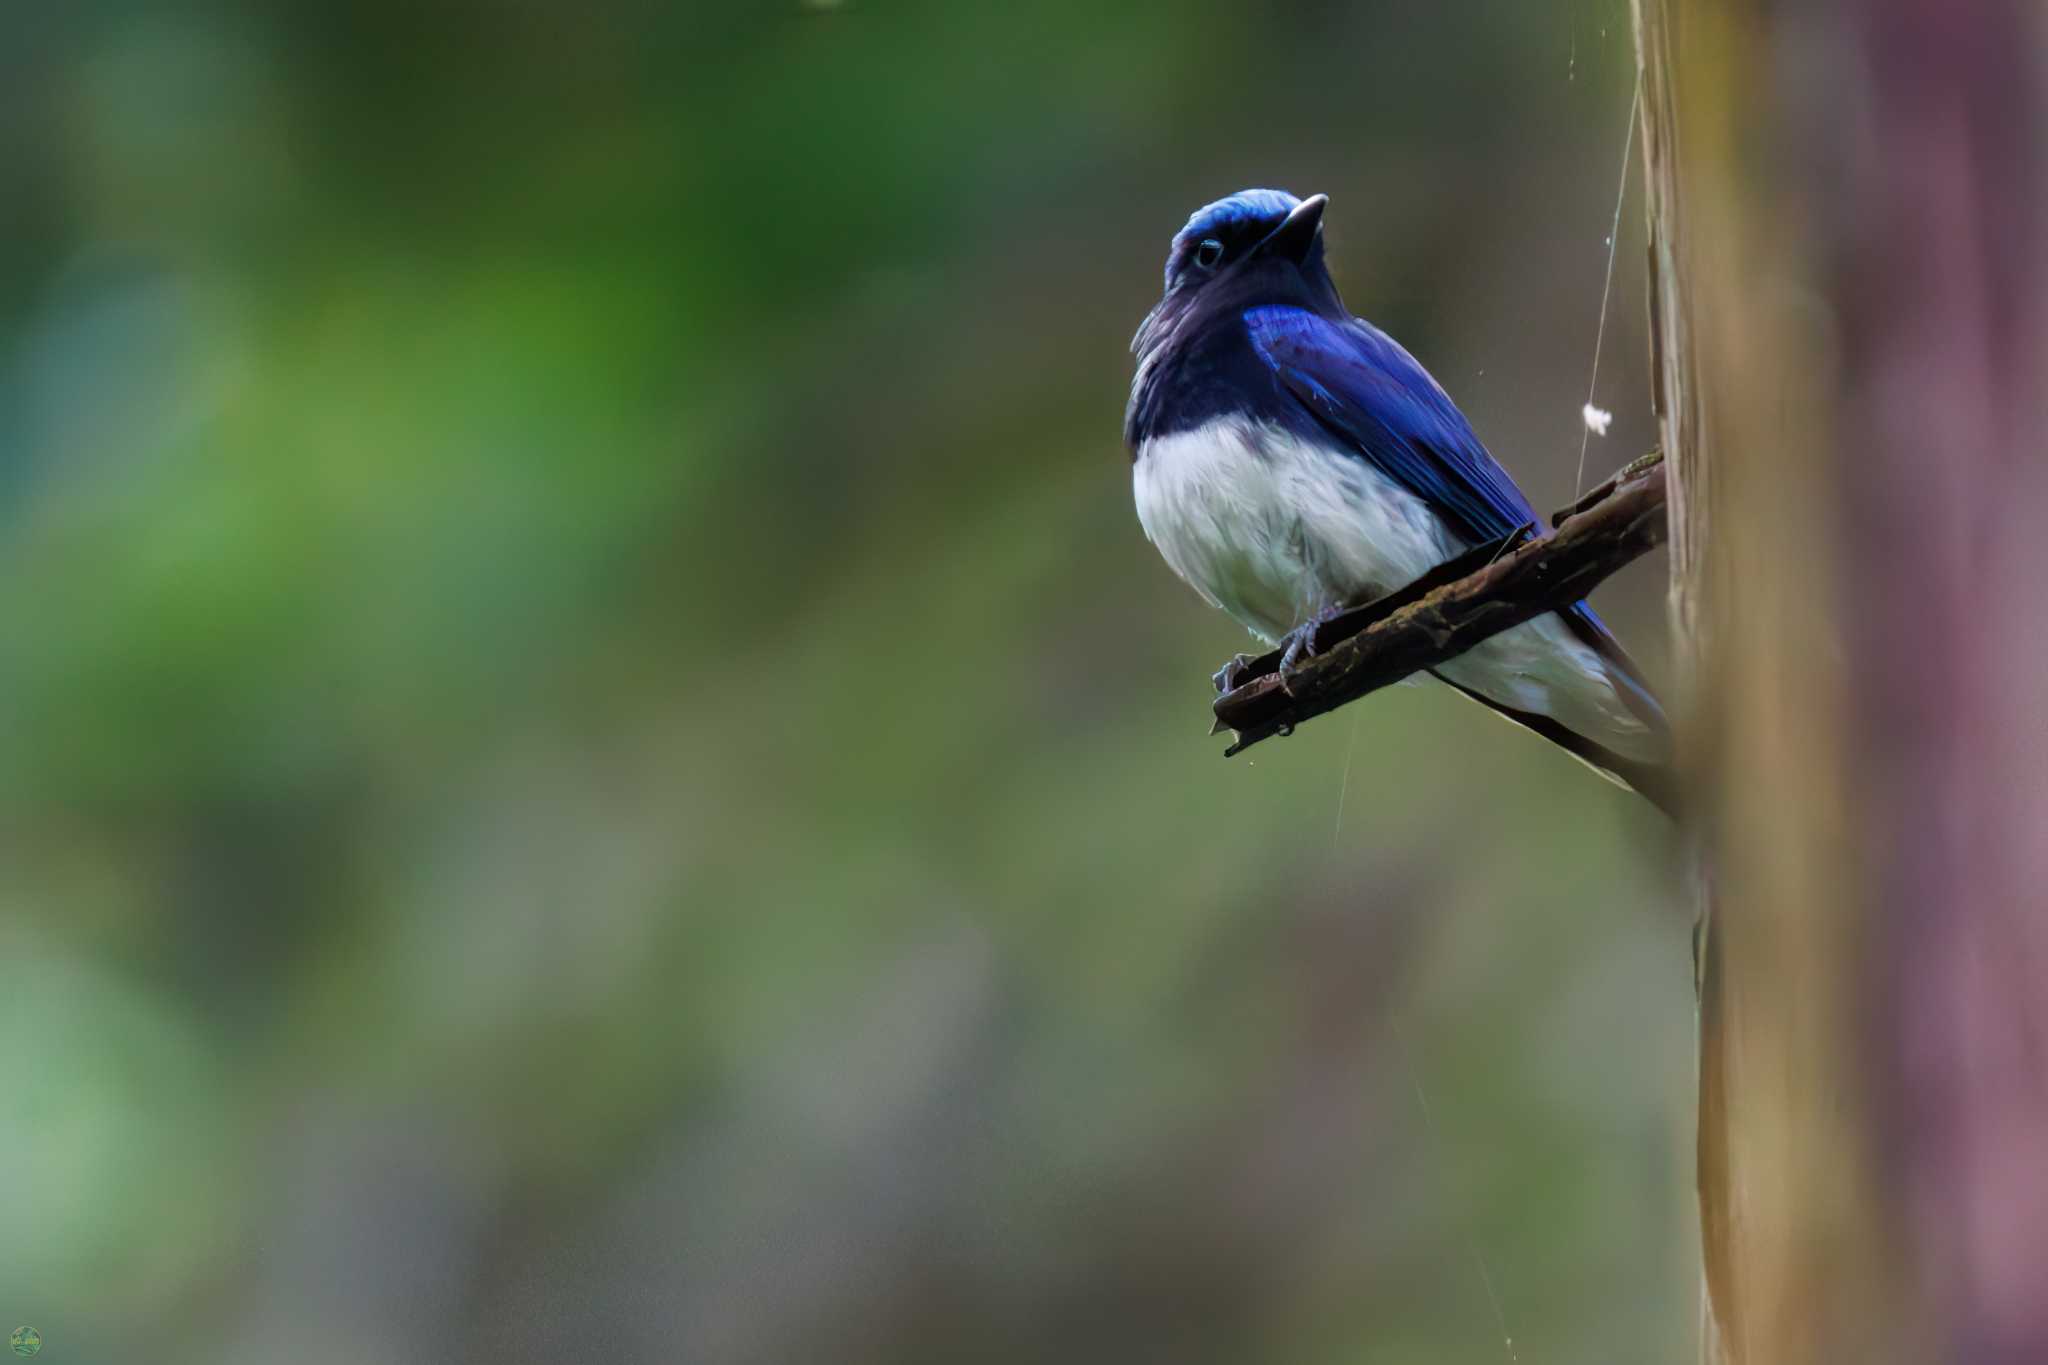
1472	598
1628	473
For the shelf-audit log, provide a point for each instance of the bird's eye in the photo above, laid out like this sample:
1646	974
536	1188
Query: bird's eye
1208	253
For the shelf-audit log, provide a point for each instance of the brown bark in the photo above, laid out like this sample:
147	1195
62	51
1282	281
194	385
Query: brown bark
1942	277
1792	1233
1850	294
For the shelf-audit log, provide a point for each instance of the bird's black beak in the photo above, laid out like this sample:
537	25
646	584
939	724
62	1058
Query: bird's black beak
1297	233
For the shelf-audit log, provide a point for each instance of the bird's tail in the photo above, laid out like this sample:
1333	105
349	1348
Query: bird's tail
1629	683
1655	782
1653	777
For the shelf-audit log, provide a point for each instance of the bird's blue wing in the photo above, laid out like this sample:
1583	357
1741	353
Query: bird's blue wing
1357	383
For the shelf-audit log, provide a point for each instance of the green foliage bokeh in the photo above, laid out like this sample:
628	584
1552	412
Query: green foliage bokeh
595	758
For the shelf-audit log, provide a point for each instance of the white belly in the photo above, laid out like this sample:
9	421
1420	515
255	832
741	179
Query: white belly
1272	529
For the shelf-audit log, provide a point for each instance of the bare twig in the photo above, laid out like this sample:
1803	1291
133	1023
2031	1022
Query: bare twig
1462	602
1600	492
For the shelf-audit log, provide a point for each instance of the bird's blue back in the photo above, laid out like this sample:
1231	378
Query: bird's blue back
1375	401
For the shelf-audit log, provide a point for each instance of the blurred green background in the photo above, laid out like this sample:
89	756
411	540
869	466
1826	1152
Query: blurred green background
596	766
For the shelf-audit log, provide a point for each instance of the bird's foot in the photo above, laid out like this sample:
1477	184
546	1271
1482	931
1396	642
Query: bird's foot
1229	677
1299	645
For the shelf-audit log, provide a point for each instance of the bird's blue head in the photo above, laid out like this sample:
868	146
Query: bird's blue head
1267	227
1254	248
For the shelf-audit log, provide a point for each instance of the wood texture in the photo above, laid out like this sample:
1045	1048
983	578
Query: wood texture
1793	1245
1849	288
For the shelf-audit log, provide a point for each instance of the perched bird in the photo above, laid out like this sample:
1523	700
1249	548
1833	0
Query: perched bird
1289	459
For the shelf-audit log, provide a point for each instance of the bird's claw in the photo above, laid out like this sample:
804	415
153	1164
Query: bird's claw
1228	677
1299	645
1290	660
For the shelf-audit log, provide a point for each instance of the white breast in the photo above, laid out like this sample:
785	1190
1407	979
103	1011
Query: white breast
1271	528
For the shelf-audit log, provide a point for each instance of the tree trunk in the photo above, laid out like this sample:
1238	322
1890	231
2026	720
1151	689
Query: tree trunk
1849	295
